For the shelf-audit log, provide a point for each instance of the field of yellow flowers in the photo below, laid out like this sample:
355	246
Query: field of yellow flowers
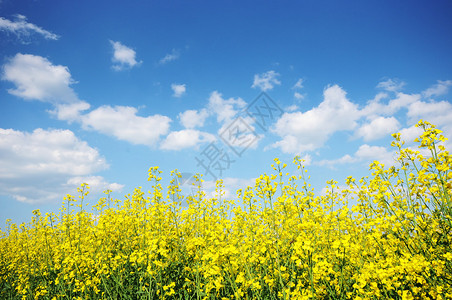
277	240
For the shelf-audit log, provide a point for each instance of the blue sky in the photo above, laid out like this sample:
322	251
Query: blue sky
99	91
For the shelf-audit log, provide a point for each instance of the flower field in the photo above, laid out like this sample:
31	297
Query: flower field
276	240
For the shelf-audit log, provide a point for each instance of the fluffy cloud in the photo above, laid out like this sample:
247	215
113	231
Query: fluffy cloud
225	109
193	118
178	90
69	112
440	88
41	166
266	81
378	128
123	123
226	112
376	107
310	130
23	29
123	56
371	153
331	163
47	151
435	112
365	154
391	85
36	78
438	113
170	57
240	134
187	138
409	134
402	101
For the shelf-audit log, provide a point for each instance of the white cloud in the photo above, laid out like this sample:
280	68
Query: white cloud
224	109
365	154
346	159
240	133
123	56
391	85
97	184
226	112
378	128
376	107
371	153
175	54
402	101
438	113
178	89
409	134
43	150
23	29
187	138
266	81
298	84
293	107
298	96
36	78
123	123
40	166
70	112
310	130
193	118
434	112
440	88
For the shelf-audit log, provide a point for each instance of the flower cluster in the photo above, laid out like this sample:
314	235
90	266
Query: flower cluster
276	240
